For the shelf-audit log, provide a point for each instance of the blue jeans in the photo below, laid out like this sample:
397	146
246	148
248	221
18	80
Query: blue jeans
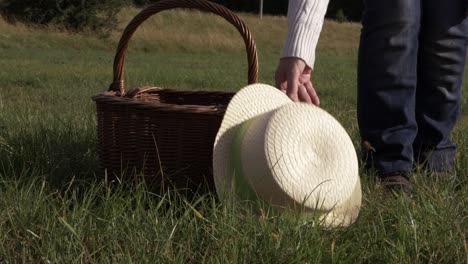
410	71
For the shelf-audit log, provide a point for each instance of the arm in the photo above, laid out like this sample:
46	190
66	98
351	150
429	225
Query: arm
305	20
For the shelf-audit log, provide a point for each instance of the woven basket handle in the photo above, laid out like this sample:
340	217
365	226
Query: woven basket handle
203	5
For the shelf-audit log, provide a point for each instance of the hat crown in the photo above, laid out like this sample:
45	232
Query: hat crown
310	163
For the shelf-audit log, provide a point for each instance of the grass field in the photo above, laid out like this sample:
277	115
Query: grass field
55	207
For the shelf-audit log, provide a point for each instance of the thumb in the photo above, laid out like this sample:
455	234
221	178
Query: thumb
293	84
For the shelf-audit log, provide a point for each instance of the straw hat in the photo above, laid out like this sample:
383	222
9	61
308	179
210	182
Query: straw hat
290	155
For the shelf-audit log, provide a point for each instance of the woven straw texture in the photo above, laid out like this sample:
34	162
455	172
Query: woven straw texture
293	155
165	135
249	102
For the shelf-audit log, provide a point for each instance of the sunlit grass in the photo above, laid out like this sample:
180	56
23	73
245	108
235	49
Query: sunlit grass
56	207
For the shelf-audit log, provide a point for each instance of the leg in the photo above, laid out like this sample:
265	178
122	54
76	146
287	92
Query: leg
441	61
387	70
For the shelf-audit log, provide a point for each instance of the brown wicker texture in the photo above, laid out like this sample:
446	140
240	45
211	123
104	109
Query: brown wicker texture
164	135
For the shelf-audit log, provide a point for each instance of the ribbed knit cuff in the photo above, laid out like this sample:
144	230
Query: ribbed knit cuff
305	21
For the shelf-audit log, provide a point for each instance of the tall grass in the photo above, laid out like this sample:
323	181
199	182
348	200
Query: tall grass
55	207
179	30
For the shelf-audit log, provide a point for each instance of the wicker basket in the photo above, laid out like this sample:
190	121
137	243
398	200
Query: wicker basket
164	135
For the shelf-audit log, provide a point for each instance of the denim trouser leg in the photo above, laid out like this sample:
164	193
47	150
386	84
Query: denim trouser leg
441	61
387	77
396	89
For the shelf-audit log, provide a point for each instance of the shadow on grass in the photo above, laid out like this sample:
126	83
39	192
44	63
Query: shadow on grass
61	154
55	154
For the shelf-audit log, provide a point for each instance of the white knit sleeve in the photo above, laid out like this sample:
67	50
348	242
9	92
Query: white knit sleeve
305	21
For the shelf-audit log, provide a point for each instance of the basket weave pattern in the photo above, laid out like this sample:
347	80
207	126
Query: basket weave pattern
163	134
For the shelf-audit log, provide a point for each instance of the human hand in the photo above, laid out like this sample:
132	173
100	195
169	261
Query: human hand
293	77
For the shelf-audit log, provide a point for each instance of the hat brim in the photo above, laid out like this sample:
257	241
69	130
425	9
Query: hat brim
249	102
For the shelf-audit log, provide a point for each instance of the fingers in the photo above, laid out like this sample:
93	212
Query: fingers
312	93
293	85
293	77
304	95
281	83
287	76
280	79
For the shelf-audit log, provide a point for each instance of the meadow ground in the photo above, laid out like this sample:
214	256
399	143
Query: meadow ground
55	207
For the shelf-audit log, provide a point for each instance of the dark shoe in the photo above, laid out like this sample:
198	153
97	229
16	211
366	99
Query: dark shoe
396	183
